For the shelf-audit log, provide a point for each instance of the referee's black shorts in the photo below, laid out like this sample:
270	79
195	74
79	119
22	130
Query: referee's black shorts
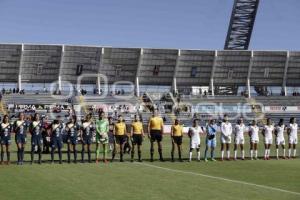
177	140
155	135
137	139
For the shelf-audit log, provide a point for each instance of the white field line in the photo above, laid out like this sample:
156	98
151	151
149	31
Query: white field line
220	178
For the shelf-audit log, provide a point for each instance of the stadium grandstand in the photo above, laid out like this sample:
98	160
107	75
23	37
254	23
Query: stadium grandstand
177	81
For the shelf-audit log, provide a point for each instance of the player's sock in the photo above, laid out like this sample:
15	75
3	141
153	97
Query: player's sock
228	154
160	154
283	152
97	153
179	155
32	155
40	156
266	153
2	156
132	155
140	155
290	153
22	154
212	154
18	155
69	155
89	155
8	156
52	155
256	153
198	155
104	152
251	154
243	154
222	154
205	153
277	153
75	155
82	155
294	152
151	154
191	155
60	155
172	156
235	154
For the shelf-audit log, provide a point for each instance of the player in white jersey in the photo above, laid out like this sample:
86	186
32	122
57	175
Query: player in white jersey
267	132
293	136
194	134
226	131
279	139
239	138
254	139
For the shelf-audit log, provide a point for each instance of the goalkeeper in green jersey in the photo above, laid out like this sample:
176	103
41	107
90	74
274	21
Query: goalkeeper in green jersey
102	128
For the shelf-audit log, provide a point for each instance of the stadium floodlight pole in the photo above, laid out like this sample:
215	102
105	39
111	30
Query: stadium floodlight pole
137	82
175	71
211	82
249	74
61	67
285	72
20	68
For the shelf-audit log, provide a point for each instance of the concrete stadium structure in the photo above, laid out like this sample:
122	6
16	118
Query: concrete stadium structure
177	68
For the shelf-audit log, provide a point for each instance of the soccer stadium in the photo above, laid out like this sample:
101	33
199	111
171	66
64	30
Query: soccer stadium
104	122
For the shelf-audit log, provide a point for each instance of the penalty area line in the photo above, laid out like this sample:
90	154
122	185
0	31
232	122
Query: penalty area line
220	178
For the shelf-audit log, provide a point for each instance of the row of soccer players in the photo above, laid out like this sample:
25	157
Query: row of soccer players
226	131
86	130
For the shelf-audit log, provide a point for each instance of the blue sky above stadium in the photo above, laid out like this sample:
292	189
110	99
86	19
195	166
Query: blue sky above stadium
190	24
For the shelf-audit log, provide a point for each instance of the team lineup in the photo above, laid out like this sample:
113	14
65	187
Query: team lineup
110	135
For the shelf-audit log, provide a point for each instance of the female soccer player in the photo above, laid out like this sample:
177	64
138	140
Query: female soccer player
102	128
194	134
226	131
120	136
211	141
254	139
57	128
279	139
35	128
176	137
20	129
111	139
72	130
239	138
267	132
293	136
137	135
88	128
5	138
155	133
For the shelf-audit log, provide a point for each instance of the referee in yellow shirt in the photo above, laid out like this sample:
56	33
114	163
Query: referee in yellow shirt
155	133
137	135
120	137
176	137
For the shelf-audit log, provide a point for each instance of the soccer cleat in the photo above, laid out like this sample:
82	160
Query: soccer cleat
140	160
105	161
205	160
213	160
97	161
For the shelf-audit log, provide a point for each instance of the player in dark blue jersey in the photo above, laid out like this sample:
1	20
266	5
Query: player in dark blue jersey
5	138
88	129
57	129
20	129
35	128
72	129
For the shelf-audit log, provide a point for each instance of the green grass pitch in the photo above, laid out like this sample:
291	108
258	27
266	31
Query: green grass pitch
196	180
